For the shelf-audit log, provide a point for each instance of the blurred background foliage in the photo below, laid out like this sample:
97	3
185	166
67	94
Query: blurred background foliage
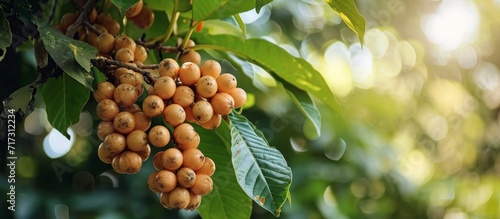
418	137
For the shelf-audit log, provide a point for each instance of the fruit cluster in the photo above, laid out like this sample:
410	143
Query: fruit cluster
181	95
100	24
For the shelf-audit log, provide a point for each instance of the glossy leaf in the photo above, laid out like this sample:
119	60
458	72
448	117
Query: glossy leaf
204	10
64	99
168	5
350	15
261	170
273	58
227	200
241	24
123	5
5	35
219	27
72	56
305	104
260	3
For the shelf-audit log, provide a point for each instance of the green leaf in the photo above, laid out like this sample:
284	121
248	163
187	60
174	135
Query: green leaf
261	170
64	99
5	35
273	58
246	68
22	100
98	76
242	24
72	56
168	5
260	3
220	27
227	200
213	9
305	104
123	5
350	15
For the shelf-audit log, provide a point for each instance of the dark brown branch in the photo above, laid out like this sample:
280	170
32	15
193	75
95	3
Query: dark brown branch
84	16
151	66
91	27
102	62
157	46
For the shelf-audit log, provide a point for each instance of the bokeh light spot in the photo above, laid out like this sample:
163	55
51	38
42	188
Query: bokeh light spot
56	144
455	22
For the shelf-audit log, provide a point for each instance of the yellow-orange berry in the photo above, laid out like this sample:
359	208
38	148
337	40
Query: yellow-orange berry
152	106
193	158
169	67
137	140
130	162
179	197
185	177
183	96
210	68
222	103
172	159
226	82
164	87
125	95
105	43
184	133
189	73
124	122
134	10
125	55
202	185
159	136
202	111
107	109
174	115
142	122
206	86
165	181
103	91
213	123
104	129
208	167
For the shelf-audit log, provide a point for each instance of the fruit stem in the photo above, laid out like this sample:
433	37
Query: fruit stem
84	16
157	46
188	36
92	28
173	22
110	63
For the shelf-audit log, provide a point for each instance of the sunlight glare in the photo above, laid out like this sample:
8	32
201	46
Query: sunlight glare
454	23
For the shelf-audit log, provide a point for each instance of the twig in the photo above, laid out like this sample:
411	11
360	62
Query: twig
101	62
84	16
172	24
151	66
157	46
91	27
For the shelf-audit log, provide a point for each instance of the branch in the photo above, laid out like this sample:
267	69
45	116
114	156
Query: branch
157	46
91	27
84	16
102	62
